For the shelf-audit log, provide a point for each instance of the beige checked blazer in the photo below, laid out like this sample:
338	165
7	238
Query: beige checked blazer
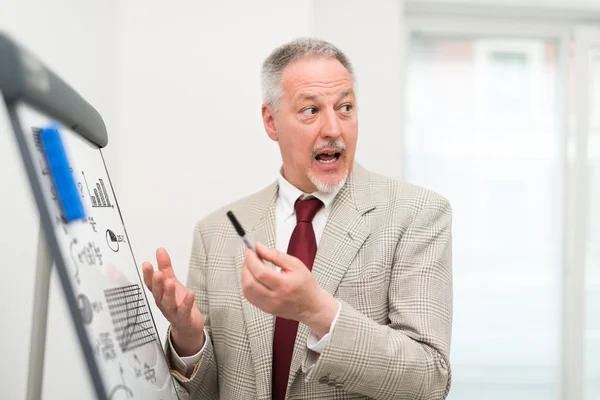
385	254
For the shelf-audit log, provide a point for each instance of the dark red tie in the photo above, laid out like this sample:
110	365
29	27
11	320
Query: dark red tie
303	245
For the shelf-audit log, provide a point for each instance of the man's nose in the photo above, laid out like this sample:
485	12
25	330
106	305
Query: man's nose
331	127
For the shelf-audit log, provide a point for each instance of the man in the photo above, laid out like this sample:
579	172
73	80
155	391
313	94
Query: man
365	314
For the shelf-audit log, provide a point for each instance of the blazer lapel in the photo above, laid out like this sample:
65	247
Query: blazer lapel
344	234
260	325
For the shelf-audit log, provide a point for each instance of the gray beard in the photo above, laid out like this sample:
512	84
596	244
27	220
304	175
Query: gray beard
327	187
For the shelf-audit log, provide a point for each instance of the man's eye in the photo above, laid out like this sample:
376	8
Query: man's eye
346	107
309	111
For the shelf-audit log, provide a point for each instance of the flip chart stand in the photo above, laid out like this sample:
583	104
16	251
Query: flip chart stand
41	296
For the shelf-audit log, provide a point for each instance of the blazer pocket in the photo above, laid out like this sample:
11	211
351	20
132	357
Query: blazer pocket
367	291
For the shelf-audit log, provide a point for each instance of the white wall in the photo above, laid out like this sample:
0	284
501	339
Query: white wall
78	40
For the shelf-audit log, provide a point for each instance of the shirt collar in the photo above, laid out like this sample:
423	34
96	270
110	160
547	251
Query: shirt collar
288	194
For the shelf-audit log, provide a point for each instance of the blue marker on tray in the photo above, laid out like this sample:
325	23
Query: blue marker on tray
60	171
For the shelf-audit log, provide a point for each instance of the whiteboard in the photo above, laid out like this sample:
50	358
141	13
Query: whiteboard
95	262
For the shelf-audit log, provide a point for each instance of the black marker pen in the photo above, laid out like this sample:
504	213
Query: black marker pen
242	233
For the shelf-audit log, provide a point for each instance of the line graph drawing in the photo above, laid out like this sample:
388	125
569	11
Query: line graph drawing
130	316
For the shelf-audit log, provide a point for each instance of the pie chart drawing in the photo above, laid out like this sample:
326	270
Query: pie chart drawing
85	308
111	240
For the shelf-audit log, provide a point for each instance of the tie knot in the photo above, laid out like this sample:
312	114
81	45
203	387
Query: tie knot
307	209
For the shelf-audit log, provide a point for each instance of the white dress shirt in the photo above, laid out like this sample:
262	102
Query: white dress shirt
285	222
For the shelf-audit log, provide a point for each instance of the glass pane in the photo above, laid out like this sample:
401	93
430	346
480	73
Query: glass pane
482	130
592	332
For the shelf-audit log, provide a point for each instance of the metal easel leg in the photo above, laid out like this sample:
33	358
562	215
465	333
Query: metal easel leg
39	319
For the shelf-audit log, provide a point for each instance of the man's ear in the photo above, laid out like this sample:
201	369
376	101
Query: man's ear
269	121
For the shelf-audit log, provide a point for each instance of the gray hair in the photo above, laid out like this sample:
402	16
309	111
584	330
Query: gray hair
286	54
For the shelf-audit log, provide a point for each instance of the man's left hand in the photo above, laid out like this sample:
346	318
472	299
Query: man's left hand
293	293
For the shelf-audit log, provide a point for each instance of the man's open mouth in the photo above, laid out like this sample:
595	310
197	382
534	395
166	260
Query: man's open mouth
328	156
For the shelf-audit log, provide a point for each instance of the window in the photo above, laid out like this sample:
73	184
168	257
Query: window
502	116
482	130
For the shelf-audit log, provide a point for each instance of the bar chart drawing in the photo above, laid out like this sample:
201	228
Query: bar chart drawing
132	322
100	197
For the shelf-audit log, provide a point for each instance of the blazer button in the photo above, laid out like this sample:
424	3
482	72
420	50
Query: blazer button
331	383
339	385
323	379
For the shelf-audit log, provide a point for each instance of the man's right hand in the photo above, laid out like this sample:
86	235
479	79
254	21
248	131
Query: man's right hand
177	305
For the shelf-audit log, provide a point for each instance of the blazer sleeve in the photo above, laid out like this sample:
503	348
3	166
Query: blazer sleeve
409	357
203	383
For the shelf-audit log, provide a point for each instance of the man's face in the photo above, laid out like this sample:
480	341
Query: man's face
316	125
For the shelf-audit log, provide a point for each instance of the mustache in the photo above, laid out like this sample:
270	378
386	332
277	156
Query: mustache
336	145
